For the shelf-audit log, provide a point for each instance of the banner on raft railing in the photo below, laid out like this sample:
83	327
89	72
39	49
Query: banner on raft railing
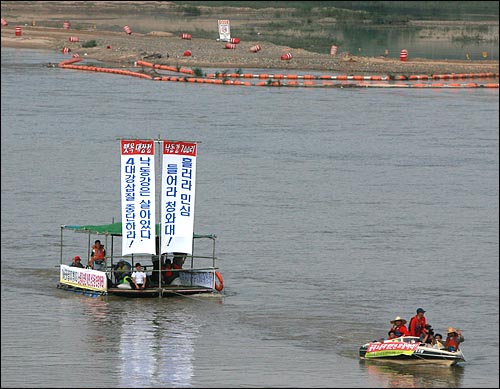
224	30
83	278
391	349
138	197
178	197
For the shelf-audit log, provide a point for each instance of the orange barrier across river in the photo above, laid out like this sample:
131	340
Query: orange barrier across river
277	80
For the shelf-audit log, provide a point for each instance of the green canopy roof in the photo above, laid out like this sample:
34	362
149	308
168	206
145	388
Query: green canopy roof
115	229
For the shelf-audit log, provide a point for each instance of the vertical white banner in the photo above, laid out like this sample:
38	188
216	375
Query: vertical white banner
177	197
224	30
138	196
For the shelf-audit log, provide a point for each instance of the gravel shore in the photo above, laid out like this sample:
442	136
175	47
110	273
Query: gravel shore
122	50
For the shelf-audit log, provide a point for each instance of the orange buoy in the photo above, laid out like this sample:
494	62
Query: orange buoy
127	29
403	55
18	30
186	36
220	285
187	53
286	56
234	40
230	46
66	25
255	48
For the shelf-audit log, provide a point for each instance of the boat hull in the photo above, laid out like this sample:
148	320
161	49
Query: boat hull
408	351
159	292
167	291
421	360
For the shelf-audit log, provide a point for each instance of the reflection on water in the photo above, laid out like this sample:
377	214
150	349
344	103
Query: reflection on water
447	42
150	343
418	376
97	312
156	349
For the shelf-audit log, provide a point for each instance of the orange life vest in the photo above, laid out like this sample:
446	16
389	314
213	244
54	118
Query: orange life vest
98	253
166	270
417	325
400	331
451	342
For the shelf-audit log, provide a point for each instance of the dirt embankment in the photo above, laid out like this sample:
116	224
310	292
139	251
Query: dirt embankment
121	49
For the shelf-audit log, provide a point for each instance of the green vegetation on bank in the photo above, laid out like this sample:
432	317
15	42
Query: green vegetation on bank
375	11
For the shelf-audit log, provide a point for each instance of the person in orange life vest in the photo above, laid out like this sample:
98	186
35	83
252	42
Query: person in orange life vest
176	264
97	260
453	339
76	262
417	324
398	326
178	261
166	268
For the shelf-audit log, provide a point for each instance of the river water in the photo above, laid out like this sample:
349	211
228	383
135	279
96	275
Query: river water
335	210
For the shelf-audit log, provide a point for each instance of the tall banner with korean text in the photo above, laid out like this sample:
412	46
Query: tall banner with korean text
138	196
177	197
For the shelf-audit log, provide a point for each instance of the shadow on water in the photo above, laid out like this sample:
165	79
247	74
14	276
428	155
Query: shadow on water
399	376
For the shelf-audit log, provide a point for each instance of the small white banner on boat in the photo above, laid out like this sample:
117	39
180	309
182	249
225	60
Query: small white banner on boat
177	197
138	196
83	278
224	30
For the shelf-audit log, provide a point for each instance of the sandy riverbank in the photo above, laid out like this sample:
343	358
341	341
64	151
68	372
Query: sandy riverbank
122	50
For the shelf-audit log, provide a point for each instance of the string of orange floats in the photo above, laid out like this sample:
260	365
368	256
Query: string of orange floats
290	80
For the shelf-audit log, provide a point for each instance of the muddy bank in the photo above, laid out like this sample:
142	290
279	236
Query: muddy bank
118	49
122	50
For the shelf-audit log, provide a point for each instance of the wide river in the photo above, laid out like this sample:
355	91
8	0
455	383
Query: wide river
335	211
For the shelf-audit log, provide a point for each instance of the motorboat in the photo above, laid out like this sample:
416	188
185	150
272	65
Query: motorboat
409	350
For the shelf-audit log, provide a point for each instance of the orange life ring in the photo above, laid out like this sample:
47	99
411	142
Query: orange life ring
219	286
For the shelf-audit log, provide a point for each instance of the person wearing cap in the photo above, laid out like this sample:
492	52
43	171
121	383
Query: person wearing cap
399	327
453	339
417	324
121	270
139	277
77	262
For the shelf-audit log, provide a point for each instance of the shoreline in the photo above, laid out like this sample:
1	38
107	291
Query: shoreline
122	50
